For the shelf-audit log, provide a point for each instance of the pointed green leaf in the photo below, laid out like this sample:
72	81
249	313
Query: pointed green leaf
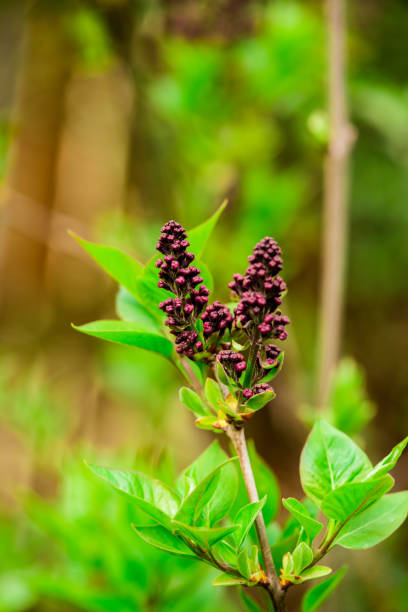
120	266
203	536
207	462
152	496
223	551
302	556
282	546
130	334
355	497
330	459
128	308
229	580
259	400
301	514
376	523
212	497
163	539
318	571
199	236
194	402
248	563
389	462
211	423
214	394
245	518
318	594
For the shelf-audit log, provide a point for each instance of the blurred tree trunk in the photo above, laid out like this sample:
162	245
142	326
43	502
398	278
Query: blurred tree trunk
335	202
30	182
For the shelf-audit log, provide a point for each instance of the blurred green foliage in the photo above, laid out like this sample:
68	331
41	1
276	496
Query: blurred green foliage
244	117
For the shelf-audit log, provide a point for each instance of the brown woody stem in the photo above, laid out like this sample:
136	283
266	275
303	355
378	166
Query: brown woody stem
277	594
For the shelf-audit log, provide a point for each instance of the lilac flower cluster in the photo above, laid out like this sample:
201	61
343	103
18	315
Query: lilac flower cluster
181	278
205	331
260	292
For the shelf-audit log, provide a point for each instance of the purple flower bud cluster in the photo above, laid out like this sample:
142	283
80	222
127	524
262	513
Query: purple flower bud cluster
233	363
260	292
268	253
187	343
217	319
272	353
256	390
178	276
273	325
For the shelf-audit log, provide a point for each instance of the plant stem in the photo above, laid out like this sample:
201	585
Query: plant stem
277	594
335	202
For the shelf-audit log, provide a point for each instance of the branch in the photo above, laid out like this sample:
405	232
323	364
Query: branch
335	203
277	594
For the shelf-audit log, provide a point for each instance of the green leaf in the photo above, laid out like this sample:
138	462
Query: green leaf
266	484
193	402
259	400
318	594
212	423
282	546
330	459
163	539
354	497
223	551
245	518
214	394
301	514
203	536
129	309
207	462
389	462
229	580
318	571
248	563
127	333
302	556
211	499
120	266
376	523
199	236
152	496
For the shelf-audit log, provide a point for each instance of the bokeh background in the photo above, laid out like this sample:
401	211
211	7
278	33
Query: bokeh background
116	115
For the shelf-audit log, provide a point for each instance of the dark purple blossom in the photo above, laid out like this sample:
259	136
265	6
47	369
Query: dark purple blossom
273	325
233	363
187	343
181	278
272	353
256	390
217	319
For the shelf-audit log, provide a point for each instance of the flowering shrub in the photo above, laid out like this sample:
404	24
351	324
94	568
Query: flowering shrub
228	358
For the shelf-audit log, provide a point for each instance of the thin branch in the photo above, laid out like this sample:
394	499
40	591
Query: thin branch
277	594
335	202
